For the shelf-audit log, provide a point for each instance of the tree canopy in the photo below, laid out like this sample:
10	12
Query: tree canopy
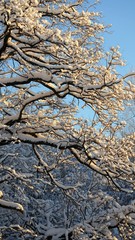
52	58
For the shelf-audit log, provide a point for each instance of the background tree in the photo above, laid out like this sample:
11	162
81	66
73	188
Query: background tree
52	162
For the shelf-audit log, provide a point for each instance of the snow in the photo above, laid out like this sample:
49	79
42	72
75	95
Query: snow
11	205
55	232
48	141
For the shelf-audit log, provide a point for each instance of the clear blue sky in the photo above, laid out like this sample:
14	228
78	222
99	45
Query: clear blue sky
121	14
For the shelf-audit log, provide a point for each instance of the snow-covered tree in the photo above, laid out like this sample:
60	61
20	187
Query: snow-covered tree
128	115
56	168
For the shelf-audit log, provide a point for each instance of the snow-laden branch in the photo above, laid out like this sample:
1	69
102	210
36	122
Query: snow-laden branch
26	79
11	205
54	180
18	228
60	144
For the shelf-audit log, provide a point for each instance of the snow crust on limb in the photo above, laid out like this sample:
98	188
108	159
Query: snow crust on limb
11	205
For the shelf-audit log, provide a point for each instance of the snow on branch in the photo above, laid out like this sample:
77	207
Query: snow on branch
61	144
11	205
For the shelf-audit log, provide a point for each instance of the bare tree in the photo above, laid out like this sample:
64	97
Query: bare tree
51	56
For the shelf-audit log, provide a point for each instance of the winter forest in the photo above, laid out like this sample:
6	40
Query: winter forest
62	176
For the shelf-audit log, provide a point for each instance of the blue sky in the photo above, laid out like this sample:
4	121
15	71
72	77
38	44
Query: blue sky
121	14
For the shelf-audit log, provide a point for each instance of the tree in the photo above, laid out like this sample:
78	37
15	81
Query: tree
128	114
52	56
